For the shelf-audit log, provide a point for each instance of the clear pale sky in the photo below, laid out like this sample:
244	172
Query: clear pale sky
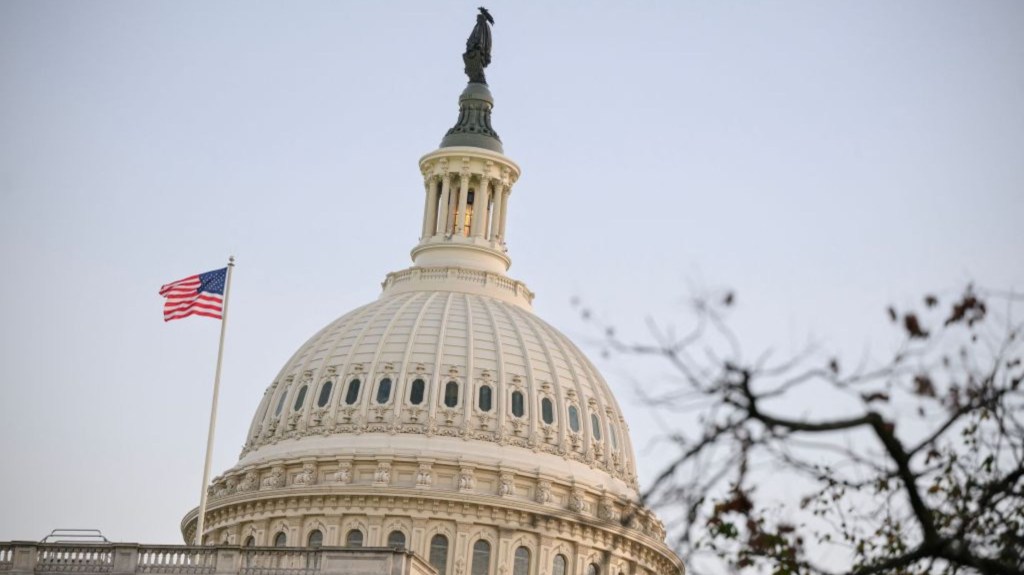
822	158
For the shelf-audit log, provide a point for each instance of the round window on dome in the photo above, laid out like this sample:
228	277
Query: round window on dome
352	396
325	394
547	411
574	419
280	402
451	394
300	398
416	391
595	424
384	390
484	399
518	405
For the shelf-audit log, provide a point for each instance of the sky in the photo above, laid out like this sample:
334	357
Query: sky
824	159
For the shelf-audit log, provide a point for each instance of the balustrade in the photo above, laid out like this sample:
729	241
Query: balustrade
29	558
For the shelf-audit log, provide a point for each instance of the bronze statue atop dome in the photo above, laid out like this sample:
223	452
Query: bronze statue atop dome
478	47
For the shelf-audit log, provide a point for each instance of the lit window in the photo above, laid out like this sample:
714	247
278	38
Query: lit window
316	539
521	565
396	539
558	566
439	554
481	558
384	390
547	411
484	401
517	404
574	419
325	394
595	424
280	540
451	394
354	538
353	392
416	393
300	398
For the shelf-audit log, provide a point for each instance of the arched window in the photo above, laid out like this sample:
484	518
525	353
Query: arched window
325	394
300	398
439	554
396	539
280	402
547	411
593	569
250	541
353	392
316	539
521	565
611	436
481	558
451	394
595	424
416	392
484	401
558	566
281	539
384	390
574	419
354	538
517	404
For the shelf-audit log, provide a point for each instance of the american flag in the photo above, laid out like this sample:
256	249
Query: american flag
201	294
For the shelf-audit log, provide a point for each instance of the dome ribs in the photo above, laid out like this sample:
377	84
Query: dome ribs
438	357
403	381
531	382
500	364
374	373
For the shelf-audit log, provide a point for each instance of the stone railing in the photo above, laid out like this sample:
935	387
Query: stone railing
458	278
24	558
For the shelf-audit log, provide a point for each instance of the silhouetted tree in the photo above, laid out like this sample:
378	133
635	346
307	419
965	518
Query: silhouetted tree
914	465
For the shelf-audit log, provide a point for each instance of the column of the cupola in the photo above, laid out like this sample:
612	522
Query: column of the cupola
480	208
430	206
504	209
496	212
460	217
443	211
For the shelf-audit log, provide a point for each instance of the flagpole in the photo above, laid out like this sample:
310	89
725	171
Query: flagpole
213	405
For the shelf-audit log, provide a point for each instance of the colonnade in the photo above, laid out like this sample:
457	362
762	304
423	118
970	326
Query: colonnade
465	204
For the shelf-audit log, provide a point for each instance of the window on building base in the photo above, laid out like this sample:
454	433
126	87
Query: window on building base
439	554
481	558
396	539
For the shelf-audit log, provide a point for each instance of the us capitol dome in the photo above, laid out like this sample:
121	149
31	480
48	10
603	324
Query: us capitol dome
445	417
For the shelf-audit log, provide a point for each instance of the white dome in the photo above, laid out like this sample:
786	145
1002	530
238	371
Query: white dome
452	375
445	415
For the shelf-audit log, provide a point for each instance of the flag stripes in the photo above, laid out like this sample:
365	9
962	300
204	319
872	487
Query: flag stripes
200	294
